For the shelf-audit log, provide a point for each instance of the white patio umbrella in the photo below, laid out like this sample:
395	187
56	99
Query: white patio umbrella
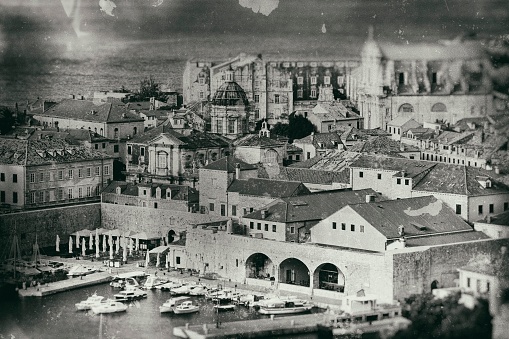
104	243
137	240
111	247
83	247
57	244
158	260
117	247
70	244
124	253
147	260
130	246
96	243
77	239
167	260
91	242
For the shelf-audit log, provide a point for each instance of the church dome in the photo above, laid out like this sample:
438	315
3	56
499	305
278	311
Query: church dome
230	94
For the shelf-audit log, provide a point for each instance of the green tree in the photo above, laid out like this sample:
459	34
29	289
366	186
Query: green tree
6	120
445	318
299	127
280	129
148	89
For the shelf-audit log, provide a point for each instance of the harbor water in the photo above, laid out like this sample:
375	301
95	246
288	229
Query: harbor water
55	316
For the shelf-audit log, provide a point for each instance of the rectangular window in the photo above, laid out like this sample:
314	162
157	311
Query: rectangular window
334	225
14	178
398	181
104	145
14	197
308	155
70	174
300	93
326	80
251	210
468	282
300	80
245	211
41	196
276	98
492	208
2	196
69	193
267	227
80	173
106	170
202	95
234	210
313	93
80	192
379	176
98	171
341	80
129	149
251	225
401	78
352	227
32	177
259	226
506	206
292	230
211	207
89	172
313	80
273	228
115	148
223	210
458	209
2	176
155	205
479	209
256	98
343	226
361	174
41	176
142	151
361	228
96	146
177	259
257	114
32	197
89	191
487	286
407	182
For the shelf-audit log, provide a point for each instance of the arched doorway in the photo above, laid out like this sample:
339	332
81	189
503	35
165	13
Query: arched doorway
293	271
259	266
328	276
171	236
434	284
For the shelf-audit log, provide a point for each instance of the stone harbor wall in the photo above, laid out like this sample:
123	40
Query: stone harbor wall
46	224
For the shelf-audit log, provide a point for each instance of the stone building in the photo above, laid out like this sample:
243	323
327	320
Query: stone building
261	148
164	155
36	173
426	81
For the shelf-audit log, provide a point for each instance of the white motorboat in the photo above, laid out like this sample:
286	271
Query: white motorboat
170	304
284	307
130	294
215	293
79	270
154	281
182	290
109	307
198	290
250	300
224	304
186	307
124	283
169	286
87	304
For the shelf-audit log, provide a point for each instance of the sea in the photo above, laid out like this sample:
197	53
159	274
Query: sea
55	316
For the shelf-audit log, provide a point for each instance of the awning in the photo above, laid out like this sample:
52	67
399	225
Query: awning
159	249
28	271
145	236
128	234
83	233
115	233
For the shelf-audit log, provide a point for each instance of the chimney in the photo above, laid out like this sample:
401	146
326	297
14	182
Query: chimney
71	96
403	173
401	230
237	171
264	214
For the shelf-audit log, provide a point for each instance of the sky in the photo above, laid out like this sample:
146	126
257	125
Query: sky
39	27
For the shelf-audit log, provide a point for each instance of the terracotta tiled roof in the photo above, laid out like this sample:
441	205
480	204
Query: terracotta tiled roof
268	188
229	164
448	238
255	140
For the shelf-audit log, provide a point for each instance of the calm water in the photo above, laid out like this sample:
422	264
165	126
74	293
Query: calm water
55	316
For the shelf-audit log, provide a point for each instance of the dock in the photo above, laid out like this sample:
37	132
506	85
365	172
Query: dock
65	285
268	327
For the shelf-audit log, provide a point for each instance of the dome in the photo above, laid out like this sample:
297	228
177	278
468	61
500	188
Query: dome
230	94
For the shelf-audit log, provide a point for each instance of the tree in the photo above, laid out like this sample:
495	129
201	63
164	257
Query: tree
6	120
148	89
445	318
280	129
299	127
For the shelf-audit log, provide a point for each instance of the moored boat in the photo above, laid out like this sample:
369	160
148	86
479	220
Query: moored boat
198	290
170	304
130	294
284	307
154	281
79	270
186	307
109	307
89	302
168	286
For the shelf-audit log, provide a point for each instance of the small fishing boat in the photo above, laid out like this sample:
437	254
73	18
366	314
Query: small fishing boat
198	290
250	300
223	304
79	270
168	286
87	304
124	283
284	307
186	307
154	281
170	304
109	307
130	294
182	290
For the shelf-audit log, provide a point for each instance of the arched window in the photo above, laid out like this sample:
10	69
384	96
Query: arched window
135	130
406	108
115	133
438	107
271	156
101	132
95	129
